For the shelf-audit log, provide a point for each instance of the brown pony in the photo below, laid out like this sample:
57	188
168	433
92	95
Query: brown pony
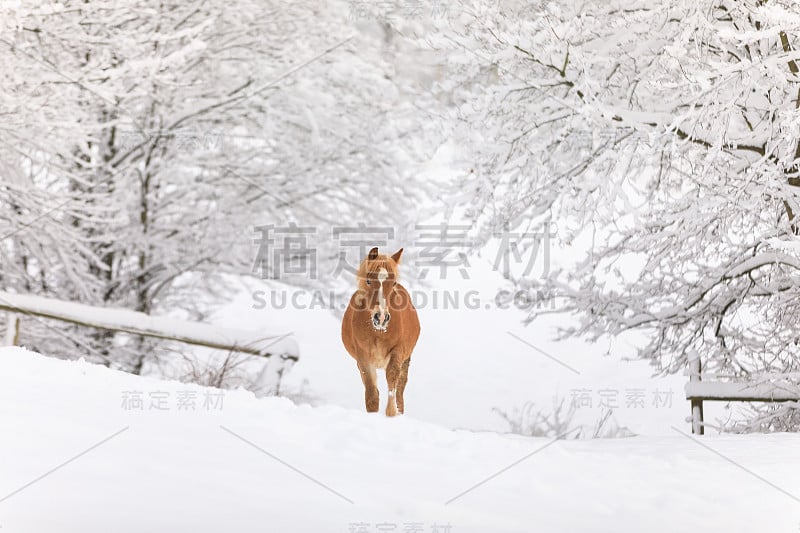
380	329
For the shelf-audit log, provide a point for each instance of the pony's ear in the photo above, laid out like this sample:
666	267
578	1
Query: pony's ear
373	254
396	256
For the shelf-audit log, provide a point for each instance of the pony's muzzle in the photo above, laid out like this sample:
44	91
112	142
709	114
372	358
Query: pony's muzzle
380	320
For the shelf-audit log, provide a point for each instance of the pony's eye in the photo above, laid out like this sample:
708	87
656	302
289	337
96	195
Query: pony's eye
369	282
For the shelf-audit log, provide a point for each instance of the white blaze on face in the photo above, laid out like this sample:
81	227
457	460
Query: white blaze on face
382	276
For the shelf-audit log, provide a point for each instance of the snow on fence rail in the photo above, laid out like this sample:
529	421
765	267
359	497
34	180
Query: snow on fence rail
772	388
197	333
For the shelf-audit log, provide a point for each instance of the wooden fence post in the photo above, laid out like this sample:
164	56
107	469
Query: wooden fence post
695	368
12	330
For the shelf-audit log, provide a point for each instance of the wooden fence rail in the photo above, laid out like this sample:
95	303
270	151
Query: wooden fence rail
699	391
123	320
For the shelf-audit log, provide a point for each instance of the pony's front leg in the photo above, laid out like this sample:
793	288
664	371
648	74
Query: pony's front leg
371	396
401	386
393	370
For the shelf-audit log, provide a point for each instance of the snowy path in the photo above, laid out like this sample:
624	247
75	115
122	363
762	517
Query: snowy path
333	469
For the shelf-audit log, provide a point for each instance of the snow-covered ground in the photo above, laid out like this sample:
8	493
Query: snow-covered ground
78	454
471	360
154	455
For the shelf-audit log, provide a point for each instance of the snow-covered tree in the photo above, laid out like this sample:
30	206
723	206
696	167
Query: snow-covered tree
143	141
664	139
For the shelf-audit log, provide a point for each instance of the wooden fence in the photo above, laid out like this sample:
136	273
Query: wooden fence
122	320
702	388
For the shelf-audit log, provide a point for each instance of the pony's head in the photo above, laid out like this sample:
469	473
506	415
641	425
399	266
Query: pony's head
377	279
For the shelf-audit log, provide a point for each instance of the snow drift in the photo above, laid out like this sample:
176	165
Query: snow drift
84	448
